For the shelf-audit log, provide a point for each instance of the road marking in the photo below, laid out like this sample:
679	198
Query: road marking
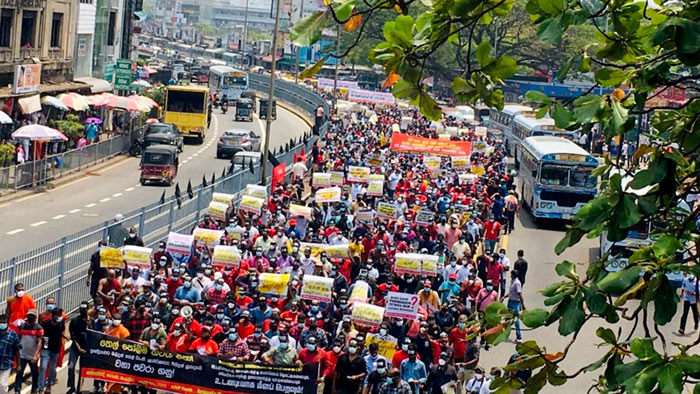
504	242
13	232
117	194
184	161
189	158
5	205
76	210
128	189
196	154
37	224
101	171
105	199
92	204
58	217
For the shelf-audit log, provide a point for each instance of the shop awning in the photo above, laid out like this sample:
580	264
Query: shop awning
268	58
30	104
96	85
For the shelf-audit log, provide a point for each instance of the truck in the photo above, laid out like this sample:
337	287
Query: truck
187	107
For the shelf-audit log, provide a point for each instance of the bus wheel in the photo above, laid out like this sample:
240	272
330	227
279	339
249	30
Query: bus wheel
199	140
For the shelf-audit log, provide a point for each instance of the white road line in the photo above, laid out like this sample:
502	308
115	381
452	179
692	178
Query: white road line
196	154
117	194
128	189
37	224
189	158
76	210
105	199
58	217
184	161
92	204
13	232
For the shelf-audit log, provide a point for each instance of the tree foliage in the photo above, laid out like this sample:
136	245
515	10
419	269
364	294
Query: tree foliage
640	50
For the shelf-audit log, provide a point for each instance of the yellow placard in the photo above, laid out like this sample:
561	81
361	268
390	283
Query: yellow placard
386	348
367	314
480	131
460	161
478	170
329	194
300	210
407	263
337	178
217	210
428	265
321	179
386	210
375	161
337	251
207	236
360	292
273	284
226	257
111	258
377	177
375	188
223	198
316	249
358	174
432	162
256	191
137	256
317	288
251	204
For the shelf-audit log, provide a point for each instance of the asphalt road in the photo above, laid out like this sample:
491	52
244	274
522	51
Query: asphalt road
39	219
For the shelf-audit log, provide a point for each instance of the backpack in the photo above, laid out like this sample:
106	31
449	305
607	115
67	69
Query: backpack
511	205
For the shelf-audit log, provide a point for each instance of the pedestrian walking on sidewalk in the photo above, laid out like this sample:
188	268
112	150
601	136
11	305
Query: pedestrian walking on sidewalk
689	296
31	336
9	351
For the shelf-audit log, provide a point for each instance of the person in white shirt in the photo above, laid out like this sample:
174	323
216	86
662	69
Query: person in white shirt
474	384
486	386
505	262
299	169
201	282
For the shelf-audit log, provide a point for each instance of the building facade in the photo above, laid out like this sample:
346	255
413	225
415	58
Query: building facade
85	39
108	36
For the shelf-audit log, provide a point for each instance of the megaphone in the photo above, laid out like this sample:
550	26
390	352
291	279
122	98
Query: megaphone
186	311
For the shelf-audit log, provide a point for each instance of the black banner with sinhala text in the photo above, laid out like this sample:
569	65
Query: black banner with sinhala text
125	362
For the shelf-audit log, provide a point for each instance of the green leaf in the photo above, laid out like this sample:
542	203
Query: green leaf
571	237
308	30
643	349
574	316
665	302
534	318
567	269
689	364
624	372
629	215
696	389
502	68
459	85
610	76
429	107
686	34
598	363
563	118
404	23
403	89
596	303
526	363
645	380
615	283
551	7
483	53
551	30
607	335
561	73
619	116
552	288
586	108
666	246
671	379
311	71
528	348
536	97
344	10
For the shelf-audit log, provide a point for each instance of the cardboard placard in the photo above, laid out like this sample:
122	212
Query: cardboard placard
321	179
179	243
111	258
226	257
251	204
358	174
137	256
317	288
367	314
208	237
386	210
217	210
329	194
402	305
273	284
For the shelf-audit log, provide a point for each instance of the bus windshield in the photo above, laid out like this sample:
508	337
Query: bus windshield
554	175
581	177
235	81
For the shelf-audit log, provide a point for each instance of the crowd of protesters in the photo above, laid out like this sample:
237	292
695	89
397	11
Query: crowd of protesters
185	304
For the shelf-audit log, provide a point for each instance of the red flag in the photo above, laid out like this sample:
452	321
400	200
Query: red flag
278	175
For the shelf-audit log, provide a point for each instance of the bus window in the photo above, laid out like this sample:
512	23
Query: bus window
639	231
581	177
554	175
235	81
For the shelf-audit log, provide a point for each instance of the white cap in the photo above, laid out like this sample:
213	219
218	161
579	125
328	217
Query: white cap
118	217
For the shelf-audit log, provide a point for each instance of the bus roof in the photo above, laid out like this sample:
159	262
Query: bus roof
515	109
224	69
531	122
188	88
543	146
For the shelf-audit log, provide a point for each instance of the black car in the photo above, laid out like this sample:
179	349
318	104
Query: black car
162	133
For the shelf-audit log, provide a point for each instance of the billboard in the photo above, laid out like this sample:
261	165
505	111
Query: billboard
27	78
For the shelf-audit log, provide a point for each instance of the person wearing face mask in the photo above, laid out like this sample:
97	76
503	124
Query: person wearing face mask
204	345
383	334
402	353
474	384
351	370
449	290
413	370
179	340
372	360
261	312
154	336
376	378
137	321
282	354
31	335
18	305
393	384
95	271
217	294
327	365
427	348
10	346
186	294
493	375
201	280
102	320
162	259
486	297
428	298
440	375
461	248
311	352
53	331
313	331
257	343
133	239
234	348
50	305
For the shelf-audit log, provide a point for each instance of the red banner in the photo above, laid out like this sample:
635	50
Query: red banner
278	175
409	143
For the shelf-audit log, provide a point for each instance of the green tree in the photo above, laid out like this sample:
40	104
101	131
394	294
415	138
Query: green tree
639	50
70	126
207	29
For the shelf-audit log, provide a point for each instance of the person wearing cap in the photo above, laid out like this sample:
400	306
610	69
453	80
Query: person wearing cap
234	348
101	321
313	331
162	260
327	365
282	354
154	336
351	370
179	340
393	384
217	294
474	384
137	321
428	349
204	345
486	297
31	335
428	298
311	352
449	289
376	377
372	358
413	370
186	294
346	330
53	330
257	343
201	280
470	290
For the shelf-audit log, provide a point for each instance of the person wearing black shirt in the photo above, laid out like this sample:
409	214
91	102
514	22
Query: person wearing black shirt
520	265
133	239
53	335
351	370
95	271
440	375
377	377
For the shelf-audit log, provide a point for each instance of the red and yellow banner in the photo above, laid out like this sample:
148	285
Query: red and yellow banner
409	143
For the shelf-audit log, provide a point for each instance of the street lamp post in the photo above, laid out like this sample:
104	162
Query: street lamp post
296	66
245	29
268	116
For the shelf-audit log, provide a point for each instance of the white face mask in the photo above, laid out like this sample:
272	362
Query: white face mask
21	293
479	376
154	326
442	362
116	322
132	235
177	333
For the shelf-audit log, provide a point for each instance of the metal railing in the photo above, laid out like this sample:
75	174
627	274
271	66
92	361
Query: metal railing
55	166
59	269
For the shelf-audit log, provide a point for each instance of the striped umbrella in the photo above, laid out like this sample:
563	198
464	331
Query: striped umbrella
145	100
99	100
126	104
74	101
54	102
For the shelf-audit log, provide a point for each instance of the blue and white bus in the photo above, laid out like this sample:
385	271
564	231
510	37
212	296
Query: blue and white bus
228	81
526	125
555	177
503	120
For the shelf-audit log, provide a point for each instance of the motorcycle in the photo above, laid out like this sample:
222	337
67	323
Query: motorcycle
224	107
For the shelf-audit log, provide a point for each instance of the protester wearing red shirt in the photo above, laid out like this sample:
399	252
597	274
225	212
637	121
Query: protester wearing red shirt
327	365
244	326
458	338
178	341
311	353
492	230
204	345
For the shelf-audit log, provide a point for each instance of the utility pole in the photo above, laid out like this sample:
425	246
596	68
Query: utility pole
296	66
335	77
270	94
245	29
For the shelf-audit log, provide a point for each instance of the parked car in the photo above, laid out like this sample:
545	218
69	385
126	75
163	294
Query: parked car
162	134
242	159
237	140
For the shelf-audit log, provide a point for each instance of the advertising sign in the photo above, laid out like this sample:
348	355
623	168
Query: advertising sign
251	204
273	284
27	78
122	80
368	96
